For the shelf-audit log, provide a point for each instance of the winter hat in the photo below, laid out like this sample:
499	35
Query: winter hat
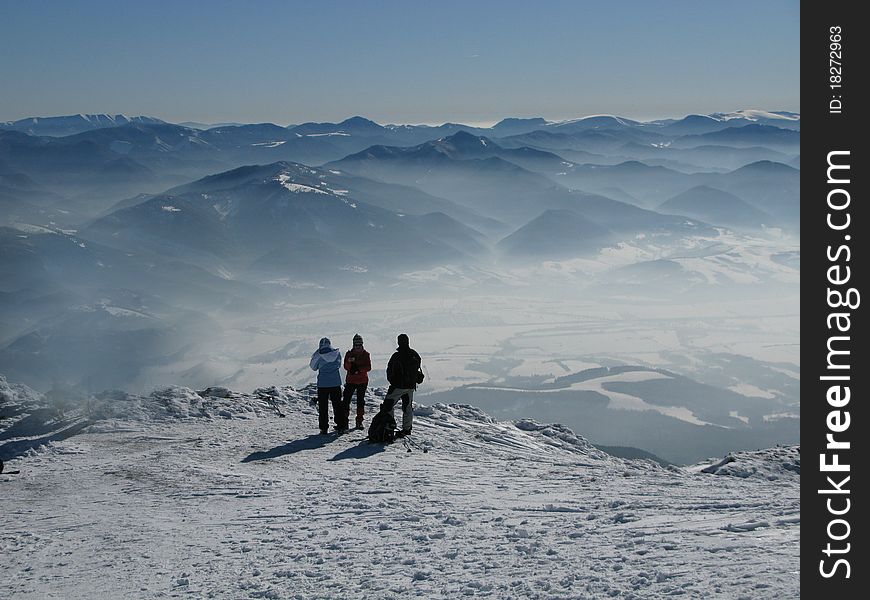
403	339
325	343
357	341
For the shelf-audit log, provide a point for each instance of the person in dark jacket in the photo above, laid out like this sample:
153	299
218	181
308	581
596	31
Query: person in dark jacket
357	363
402	374
326	361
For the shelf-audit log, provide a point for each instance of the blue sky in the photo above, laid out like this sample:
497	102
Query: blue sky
400	62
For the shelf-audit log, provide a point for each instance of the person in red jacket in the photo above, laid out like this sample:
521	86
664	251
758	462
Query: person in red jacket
357	363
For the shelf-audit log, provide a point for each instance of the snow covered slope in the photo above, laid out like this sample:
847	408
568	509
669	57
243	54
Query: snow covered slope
72	124
771	463
212	494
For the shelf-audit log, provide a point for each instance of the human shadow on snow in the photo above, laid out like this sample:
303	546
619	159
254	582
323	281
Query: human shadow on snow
17	448
41	421
364	449
311	442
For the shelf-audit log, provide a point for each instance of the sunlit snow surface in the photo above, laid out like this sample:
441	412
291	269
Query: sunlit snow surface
173	494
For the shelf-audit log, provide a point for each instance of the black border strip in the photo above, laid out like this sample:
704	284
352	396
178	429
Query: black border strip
831	121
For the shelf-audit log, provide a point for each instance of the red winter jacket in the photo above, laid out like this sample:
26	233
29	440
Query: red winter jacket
358	369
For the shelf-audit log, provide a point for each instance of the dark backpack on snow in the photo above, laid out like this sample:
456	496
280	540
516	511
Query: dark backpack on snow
383	427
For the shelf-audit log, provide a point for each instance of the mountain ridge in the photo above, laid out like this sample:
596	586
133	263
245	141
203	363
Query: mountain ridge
474	505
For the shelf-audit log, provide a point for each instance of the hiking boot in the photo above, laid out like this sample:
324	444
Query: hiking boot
403	433
324	431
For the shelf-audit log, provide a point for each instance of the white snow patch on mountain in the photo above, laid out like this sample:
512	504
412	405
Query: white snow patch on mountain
783	415
28	228
274	144
725	259
222	208
617	400
747	389
125	312
620	120
284	180
754	115
224	273
736	415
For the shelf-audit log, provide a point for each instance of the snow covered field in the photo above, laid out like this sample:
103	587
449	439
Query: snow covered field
549	320
174	495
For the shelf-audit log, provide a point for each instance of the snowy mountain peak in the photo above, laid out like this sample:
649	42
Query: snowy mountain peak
454	428
758	115
596	121
286	181
472	505
72	124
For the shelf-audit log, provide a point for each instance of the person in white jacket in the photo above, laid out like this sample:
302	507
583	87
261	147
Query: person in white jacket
326	361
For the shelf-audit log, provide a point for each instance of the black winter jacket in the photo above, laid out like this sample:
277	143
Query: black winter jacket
402	368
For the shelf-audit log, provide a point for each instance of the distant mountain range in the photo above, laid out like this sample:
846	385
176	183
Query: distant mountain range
96	159
638	281
72	124
691	124
121	232
493	184
278	216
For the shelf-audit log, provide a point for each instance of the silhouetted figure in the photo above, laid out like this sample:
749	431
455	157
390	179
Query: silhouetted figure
403	373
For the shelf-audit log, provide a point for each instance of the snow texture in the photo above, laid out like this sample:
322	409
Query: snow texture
770	464
213	494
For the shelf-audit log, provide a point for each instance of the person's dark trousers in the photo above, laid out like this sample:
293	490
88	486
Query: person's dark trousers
324	396
360	390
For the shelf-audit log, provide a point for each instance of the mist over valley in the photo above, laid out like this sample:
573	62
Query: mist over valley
636	281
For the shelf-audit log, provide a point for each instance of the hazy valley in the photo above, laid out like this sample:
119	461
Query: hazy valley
521	259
